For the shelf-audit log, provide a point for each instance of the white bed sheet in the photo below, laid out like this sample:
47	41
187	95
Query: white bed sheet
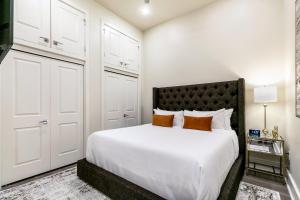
173	163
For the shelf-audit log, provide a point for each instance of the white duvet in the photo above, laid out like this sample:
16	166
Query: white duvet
173	163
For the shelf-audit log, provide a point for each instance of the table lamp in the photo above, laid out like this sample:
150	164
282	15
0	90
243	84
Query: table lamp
265	95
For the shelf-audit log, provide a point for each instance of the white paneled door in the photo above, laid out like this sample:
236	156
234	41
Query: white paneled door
41	115
112	48
68	28
32	22
130	101
131	54
25	116
120	101
66	113
113	114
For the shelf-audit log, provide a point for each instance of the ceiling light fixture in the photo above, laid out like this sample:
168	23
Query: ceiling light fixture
146	8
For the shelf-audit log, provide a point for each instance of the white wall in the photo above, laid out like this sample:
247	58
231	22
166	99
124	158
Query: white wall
292	122
223	41
96	15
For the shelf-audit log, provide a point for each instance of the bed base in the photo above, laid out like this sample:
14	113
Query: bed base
118	188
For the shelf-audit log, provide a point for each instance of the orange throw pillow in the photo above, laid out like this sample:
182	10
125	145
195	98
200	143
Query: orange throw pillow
198	123
163	120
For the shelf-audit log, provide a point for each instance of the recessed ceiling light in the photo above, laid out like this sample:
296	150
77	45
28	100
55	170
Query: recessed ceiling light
146	10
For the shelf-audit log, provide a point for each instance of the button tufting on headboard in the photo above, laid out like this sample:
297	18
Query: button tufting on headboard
206	97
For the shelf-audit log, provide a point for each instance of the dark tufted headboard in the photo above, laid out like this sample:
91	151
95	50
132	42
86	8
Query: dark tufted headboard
207	97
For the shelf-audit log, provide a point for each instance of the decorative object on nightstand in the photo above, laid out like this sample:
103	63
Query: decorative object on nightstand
266	156
275	133
264	95
254	133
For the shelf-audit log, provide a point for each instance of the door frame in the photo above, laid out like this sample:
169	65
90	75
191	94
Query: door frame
103	69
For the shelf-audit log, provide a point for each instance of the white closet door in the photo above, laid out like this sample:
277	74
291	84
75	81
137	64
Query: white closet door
112	48
131	54
66	113
68	29
25	114
130	101
113	97
32	22
120	101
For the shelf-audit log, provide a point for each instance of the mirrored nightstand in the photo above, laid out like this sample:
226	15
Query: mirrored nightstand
266	156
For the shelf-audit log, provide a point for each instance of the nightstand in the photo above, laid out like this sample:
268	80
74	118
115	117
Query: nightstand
266	156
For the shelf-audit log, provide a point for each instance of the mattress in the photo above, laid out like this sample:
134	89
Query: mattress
174	163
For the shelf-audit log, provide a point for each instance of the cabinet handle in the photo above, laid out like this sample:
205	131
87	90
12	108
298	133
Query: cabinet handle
43	122
125	115
56	43
121	63
45	39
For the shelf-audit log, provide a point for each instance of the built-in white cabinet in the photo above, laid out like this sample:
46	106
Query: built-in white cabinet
67	28
50	25
131	52
120	101
112	48
32	22
120	51
41	115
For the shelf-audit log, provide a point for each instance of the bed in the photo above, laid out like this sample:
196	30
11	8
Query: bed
149	162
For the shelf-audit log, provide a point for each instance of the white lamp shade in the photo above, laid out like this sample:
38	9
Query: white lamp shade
266	94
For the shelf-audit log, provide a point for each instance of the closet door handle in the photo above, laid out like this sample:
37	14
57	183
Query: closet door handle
56	43
46	40
43	122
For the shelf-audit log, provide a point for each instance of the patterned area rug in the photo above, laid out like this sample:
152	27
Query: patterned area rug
248	191
65	185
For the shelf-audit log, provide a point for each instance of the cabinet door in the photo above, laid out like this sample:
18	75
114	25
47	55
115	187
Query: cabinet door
25	115
66	113
112	48
113	97
130	54
68	29
130	101
32	22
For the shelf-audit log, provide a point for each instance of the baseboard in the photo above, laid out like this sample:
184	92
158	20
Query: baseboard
292	187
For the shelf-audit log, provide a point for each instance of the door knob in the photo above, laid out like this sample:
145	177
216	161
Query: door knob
43	122
125	115
56	43
45	39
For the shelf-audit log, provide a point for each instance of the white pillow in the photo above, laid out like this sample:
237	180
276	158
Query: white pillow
228	114
178	116
218	121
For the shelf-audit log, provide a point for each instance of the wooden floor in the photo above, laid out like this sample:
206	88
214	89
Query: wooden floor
266	183
273	185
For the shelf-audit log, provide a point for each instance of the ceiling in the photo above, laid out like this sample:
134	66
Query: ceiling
162	10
